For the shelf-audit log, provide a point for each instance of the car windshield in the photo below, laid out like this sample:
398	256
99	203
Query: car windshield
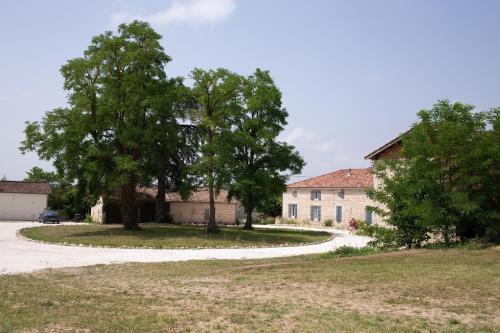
50	213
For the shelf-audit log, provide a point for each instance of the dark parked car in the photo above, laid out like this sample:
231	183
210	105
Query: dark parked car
78	217
49	216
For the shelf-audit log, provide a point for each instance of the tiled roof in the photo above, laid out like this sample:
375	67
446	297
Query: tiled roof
10	186
200	195
345	178
396	141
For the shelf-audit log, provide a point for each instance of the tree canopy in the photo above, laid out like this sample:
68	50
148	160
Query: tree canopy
447	181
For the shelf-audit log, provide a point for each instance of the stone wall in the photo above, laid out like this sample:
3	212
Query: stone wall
194	212
353	205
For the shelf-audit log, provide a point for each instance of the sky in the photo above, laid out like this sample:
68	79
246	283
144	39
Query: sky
353	73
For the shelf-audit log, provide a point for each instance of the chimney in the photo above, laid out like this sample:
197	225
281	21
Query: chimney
349	171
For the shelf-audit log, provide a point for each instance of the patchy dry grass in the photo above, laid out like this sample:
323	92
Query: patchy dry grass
454	290
170	236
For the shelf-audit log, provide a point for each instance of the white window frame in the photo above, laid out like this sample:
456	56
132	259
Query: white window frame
316	213
316	195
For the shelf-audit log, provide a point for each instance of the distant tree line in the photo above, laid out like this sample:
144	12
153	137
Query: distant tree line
446	185
127	124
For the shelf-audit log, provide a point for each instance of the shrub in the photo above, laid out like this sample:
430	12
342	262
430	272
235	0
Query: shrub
290	221
267	220
328	222
88	219
167	219
349	251
383	238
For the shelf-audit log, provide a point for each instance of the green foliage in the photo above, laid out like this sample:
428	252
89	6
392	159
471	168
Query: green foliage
272	205
215	95
328	222
37	174
349	251
447	181
88	219
101	139
259	165
167	218
382	238
289	221
267	220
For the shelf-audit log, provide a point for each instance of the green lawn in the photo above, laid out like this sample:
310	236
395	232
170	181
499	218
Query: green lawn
170	236
455	290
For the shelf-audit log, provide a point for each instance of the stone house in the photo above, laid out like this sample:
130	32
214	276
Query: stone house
339	195
193	210
22	200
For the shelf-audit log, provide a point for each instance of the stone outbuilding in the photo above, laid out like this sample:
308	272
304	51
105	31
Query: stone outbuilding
22	201
194	209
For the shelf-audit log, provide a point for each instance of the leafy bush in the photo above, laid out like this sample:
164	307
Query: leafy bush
88	219
290	221
349	251
328	222
383	238
267	220
167	219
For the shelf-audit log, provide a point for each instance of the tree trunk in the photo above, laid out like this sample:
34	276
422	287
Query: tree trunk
128	205
212	226
160	200
248	221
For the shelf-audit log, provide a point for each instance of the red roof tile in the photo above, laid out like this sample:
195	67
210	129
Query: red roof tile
10	186
345	178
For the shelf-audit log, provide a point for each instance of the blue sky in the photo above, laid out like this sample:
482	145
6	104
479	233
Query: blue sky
353	73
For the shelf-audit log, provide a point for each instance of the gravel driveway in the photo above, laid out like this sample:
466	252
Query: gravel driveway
21	256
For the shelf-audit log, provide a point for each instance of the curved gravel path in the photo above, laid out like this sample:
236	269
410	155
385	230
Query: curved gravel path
18	255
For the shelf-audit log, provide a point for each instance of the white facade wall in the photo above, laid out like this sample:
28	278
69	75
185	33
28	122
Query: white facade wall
21	206
97	211
353	205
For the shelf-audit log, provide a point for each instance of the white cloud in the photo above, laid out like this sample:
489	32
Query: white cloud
301	137
183	11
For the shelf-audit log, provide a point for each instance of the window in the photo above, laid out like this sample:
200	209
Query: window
315	213
294	194
292	210
341	194
315	195
338	217
368	215
207	214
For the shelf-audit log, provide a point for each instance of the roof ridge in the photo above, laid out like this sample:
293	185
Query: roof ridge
25	181
326	174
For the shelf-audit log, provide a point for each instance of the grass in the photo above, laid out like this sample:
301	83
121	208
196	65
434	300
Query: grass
455	290
170	236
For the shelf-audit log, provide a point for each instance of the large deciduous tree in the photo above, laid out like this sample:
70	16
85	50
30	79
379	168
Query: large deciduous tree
99	136
215	95
258	163
171	142
447	180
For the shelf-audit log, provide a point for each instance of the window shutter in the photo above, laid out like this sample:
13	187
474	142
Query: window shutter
312	195
319	195
289	210
319	213
312	213
368	216
295	211
339	214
